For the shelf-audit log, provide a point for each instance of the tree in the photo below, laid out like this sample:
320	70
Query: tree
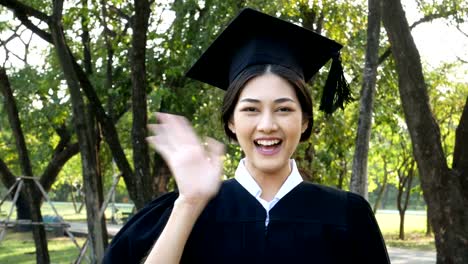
405	173
359	176
42	255
86	137
445	189
139	106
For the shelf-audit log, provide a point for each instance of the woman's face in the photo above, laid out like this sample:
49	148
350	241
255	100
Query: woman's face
268	123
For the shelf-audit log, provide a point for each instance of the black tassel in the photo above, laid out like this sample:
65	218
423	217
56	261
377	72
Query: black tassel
336	91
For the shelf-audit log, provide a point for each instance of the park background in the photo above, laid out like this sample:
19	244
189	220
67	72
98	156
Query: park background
72	72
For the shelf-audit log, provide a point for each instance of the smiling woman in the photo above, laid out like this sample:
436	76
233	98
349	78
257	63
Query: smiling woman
268	127
267	213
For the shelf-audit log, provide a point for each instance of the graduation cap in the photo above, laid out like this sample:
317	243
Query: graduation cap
255	38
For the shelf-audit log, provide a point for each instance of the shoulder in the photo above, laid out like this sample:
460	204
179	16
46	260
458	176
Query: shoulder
333	205
230	192
325	194
332	195
137	236
148	215
154	209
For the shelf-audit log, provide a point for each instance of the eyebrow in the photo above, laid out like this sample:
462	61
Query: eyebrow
278	101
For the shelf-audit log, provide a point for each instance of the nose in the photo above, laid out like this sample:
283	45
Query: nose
267	123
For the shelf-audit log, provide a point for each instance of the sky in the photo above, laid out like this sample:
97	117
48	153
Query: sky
437	42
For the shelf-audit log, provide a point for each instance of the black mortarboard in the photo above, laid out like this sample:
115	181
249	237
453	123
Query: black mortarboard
254	38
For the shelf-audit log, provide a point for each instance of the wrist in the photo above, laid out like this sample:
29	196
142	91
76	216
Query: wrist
192	204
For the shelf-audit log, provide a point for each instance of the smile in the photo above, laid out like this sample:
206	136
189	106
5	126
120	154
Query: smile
266	142
268	147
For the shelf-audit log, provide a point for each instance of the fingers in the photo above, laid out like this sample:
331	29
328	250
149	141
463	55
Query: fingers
215	151
178	129
214	147
174	132
160	145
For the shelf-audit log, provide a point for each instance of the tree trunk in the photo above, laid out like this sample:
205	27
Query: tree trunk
342	171
96	225
444	190
341	177
382	189
23	204
385	197
358	183
30	193
401	234
460	153
139	106
405	176
428	224
401	211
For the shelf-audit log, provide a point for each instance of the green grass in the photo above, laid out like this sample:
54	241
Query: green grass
18	248
415	230
413	240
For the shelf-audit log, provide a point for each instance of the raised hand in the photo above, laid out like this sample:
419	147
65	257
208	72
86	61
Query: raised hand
196	166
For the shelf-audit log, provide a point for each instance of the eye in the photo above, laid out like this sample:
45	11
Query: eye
249	109
285	109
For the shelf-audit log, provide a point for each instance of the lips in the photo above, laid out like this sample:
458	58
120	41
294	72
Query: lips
268	147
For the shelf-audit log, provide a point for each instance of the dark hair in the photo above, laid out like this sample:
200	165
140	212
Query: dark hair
232	94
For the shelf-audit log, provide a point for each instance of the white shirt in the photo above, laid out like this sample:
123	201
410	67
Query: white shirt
243	176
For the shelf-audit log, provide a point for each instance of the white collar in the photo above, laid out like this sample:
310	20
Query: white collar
243	176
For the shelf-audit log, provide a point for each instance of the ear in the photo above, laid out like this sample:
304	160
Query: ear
232	127
305	124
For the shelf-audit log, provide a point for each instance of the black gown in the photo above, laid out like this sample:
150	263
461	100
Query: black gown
311	224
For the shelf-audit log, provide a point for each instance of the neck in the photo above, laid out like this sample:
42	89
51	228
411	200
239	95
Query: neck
270	182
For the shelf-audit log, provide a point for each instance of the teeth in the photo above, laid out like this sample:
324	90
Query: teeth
268	142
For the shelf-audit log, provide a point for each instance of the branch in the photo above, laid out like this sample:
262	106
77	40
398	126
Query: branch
12	37
461	31
160	18
431	17
86	41
30	25
21	9
26	47
388	51
60	157
425	19
6	176
3	43
119	13
460	154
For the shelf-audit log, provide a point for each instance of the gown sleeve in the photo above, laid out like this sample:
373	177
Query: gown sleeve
367	244
133	242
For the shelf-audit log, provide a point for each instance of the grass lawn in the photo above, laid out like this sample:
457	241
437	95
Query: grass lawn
18	248
415	230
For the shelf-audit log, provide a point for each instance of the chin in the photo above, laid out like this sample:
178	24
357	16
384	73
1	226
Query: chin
269	164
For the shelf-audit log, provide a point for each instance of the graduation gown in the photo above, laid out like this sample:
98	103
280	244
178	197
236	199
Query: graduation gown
311	224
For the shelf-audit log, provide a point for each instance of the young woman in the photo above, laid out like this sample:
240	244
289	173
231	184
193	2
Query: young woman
267	213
